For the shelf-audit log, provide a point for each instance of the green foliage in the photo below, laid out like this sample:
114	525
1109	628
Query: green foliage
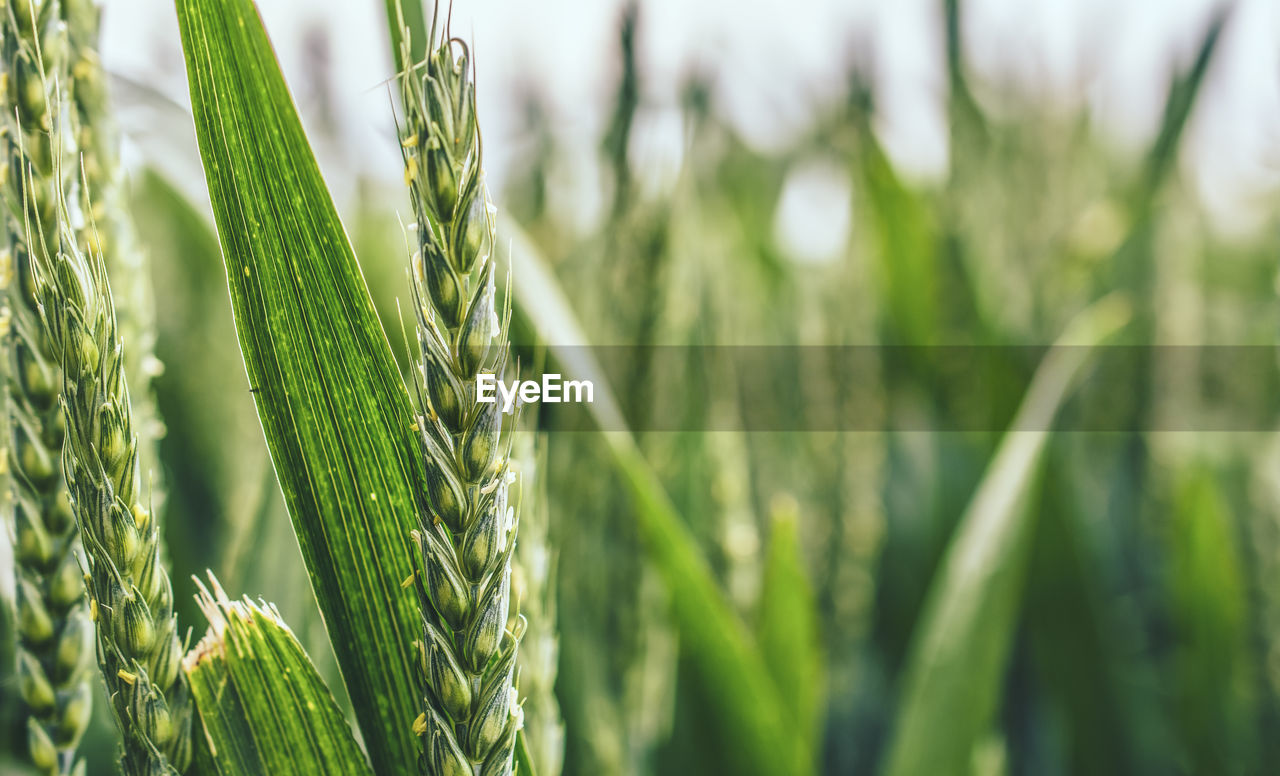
263	707
907	233
788	630
753	733
961	644
899	598
337	417
1075	649
1213	681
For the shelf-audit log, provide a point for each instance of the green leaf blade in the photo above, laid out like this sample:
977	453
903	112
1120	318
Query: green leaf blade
789	630
263	707
958	653
1077	655
907	234
336	415
1213	683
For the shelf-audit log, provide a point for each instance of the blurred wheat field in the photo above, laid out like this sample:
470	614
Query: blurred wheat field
926	594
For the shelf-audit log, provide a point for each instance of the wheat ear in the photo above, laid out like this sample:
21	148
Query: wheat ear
55	636
467	531
110	230
131	596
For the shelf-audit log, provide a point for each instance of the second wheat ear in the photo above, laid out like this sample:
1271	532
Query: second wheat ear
470	715
139	650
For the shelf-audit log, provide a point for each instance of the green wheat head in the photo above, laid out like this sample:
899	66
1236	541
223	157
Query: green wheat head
467	531
110	229
131	597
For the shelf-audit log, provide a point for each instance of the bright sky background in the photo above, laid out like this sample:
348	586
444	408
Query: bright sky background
773	60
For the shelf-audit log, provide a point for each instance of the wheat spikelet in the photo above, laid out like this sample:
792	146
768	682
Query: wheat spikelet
55	635
467	531
130	593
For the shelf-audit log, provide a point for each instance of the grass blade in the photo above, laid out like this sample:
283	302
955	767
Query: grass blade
907	241
264	708
336	415
955	668
1075	650
788	630
1213	681
1179	103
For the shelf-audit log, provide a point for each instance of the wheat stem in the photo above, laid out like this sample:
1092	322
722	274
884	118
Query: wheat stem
467	531
55	635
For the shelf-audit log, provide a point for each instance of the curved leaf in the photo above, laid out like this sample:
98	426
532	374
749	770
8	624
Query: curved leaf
335	412
789	629
956	666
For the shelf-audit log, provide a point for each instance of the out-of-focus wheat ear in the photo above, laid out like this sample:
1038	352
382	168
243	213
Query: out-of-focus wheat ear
533	586
54	634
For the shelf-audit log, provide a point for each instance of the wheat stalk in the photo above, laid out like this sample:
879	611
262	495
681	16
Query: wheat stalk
467	531
131	597
55	635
